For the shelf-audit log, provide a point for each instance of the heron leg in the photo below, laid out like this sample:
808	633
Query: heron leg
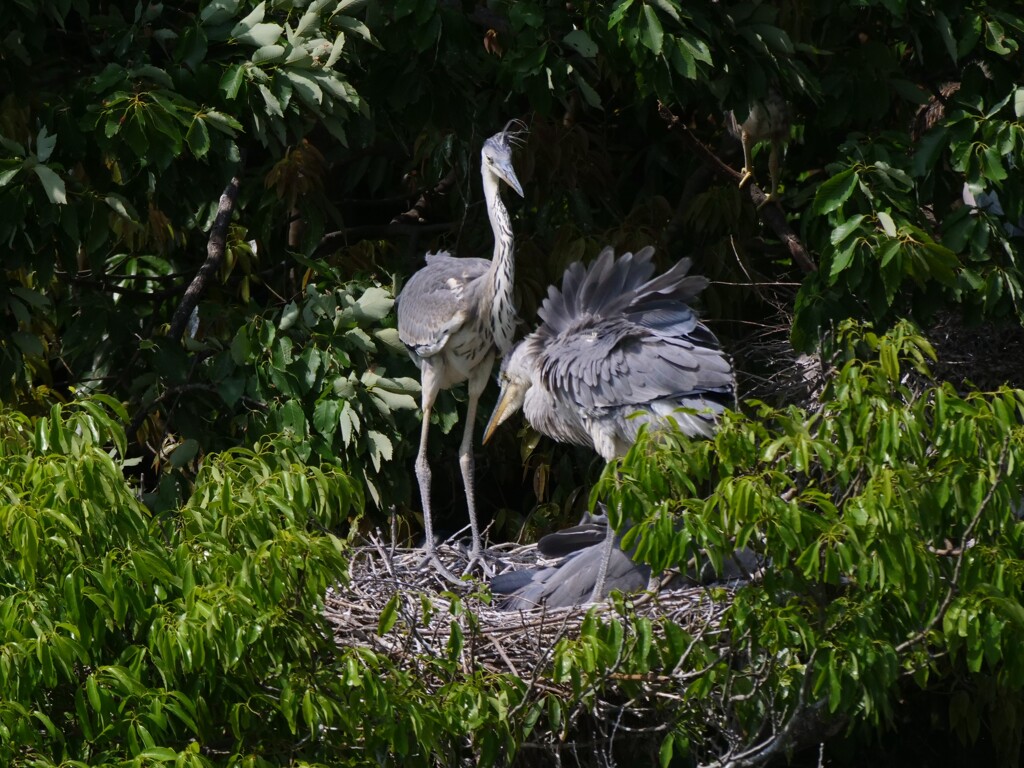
429	395
747	172
774	169
476	385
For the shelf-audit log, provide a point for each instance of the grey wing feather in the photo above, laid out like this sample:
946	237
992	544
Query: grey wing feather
617	337
570	581
437	300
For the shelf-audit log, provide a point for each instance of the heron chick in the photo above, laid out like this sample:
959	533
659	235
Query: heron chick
617	349
455	316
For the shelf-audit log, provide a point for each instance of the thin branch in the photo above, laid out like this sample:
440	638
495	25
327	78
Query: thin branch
345	237
420	211
214	254
770	214
968	532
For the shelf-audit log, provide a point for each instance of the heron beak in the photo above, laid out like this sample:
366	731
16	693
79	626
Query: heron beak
508	175
514	183
510	401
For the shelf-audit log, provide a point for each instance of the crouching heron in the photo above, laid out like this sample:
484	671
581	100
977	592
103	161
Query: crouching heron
456	315
617	348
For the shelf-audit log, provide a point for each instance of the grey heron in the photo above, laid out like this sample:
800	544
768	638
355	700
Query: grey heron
767	120
456	315
617	348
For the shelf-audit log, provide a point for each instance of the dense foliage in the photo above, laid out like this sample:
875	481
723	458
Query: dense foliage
890	525
173	505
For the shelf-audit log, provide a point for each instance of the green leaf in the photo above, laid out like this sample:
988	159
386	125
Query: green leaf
350	24
619	13
910	91
28	343
9	174
652	34
929	149
775	38
992	165
381	448
581	42
836	191
388	616
219	11
888	225
668	8
223	123
255	16
375	303
665	751
261	35
272	102
840	261
307	88
44	145
232	79
268	54
1018	103
325	417
184	453
198	138
590	96
946	32
844	230
53	185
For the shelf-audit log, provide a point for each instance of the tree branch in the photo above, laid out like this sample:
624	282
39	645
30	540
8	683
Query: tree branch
343	237
964	546
214	254
770	214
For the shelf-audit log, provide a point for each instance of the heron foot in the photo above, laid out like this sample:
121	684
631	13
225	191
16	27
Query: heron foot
479	564
746	175
431	559
769	198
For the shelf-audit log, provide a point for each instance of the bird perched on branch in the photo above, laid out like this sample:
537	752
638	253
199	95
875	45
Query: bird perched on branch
768	120
456	315
618	348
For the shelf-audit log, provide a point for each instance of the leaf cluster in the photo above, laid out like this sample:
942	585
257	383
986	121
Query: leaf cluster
888	526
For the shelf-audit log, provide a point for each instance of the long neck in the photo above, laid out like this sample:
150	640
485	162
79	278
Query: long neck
501	278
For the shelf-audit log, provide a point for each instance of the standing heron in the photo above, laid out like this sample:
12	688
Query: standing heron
456	315
769	120
617	349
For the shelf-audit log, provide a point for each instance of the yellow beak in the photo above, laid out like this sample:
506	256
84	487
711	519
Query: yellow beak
510	401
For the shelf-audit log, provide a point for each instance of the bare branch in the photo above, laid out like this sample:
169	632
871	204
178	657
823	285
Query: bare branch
214	254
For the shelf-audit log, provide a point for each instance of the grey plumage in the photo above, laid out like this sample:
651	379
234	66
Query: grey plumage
456	315
618	348
571	580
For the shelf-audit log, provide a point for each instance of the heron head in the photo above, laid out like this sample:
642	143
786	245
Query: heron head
515	382
496	154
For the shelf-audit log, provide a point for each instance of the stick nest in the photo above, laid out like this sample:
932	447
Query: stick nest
517	642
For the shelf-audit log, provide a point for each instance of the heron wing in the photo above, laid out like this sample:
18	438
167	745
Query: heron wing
615	341
618	363
437	301
570	581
